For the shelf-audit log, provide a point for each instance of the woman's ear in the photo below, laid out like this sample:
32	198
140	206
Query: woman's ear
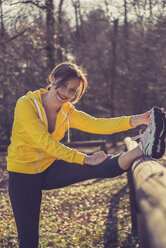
49	86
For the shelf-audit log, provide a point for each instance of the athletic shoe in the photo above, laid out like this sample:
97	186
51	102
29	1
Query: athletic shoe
152	141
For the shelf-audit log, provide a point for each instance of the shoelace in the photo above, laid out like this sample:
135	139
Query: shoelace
138	136
141	132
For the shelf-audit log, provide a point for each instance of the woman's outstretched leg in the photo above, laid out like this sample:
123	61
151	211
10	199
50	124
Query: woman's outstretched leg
61	173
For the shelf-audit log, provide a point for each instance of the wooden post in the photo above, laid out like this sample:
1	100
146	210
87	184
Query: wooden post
149	179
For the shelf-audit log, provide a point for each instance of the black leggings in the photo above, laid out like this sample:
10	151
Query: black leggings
25	191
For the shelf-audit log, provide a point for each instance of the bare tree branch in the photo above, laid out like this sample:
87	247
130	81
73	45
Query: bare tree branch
2	1
31	2
14	37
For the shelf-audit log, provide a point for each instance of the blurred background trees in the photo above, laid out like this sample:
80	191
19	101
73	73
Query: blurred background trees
122	45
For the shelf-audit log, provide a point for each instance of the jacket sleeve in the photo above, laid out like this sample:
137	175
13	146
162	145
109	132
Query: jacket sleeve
88	123
28	118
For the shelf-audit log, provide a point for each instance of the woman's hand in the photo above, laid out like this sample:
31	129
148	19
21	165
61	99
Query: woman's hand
96	158
142	119
145	118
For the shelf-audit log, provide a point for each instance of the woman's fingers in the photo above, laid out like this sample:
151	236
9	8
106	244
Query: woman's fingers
110	155
145	118
96	158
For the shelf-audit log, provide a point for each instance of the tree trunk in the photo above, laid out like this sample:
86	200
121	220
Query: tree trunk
128	82
75	5
150	10
2	22
126	36
113	73
50	22
80	34
60	33
81	22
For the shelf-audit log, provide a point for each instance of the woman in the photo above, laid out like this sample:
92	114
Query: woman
36	159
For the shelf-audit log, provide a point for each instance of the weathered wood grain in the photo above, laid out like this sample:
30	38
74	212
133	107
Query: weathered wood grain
149	178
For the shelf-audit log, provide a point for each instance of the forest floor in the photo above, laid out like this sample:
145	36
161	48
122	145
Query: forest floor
90	214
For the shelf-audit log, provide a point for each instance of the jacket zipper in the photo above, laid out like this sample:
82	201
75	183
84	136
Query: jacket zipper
37	167
41	118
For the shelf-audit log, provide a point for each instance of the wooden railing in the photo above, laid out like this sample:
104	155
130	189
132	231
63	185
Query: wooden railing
147	186
76	144
88	143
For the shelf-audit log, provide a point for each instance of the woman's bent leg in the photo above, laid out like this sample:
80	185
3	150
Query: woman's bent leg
61	173
25	193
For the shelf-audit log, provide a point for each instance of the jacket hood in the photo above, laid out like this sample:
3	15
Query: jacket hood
35	94
65	110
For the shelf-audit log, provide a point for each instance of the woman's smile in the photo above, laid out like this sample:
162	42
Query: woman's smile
66	91
62	97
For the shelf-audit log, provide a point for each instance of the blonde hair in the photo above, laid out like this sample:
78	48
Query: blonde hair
66	71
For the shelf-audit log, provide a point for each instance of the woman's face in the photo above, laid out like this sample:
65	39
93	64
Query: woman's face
66	91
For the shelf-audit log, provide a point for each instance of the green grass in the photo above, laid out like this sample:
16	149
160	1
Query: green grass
92	214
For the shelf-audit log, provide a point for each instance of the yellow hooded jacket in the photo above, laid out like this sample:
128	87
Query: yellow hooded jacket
33	149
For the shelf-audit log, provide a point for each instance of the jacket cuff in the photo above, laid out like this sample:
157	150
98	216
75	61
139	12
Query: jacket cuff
129	119
79	158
